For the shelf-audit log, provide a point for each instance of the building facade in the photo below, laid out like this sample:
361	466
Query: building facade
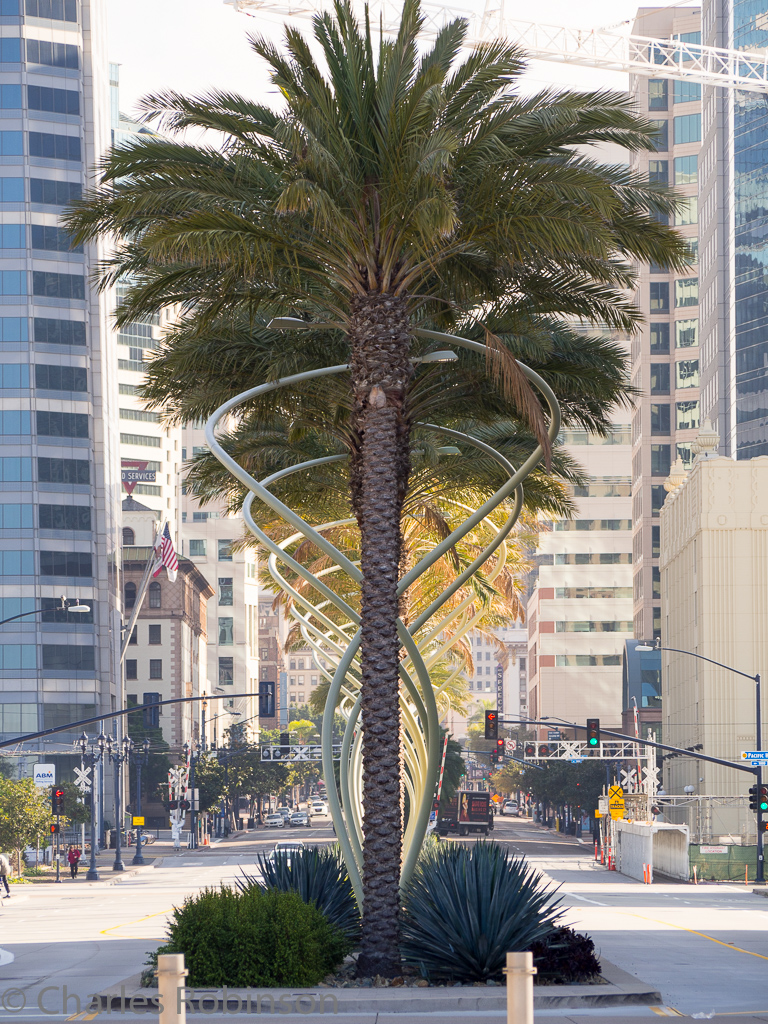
665	353
580	607
734	285
714	566
60	510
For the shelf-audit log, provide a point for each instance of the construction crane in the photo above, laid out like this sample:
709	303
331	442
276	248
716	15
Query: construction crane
592	48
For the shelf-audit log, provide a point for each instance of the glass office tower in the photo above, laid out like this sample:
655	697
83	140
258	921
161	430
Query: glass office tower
59	468
734	207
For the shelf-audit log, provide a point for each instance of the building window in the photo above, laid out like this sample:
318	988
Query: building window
660	459
226	671
687	92
686	333
155	593
152	713
656	581
63	471
687	212
292	665
660	418
313	680
655	541
658	171
658	89
130	595
687	128
659	339
131	669
134	636
225	550
59	332
129	538
226	631
661	142
155	634
685	454
687	415
687	373
686	169
301	698
69	657
263	653
687	292
64	517
61	378
658	497
659	296
226	591
300	680
155	668
300	663
197	549
659	378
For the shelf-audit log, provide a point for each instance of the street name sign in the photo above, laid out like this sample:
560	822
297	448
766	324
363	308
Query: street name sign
754	755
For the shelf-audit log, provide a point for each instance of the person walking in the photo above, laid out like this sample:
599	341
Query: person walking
74	853
5	870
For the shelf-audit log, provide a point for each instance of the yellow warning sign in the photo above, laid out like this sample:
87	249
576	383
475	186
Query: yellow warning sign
616	801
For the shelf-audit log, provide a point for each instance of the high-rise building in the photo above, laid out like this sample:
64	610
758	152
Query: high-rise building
665	352
60	509
580	608
734	286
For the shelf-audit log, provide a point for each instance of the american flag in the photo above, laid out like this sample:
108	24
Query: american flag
165	555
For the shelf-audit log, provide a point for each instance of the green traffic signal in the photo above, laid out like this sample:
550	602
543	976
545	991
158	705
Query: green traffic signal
593	741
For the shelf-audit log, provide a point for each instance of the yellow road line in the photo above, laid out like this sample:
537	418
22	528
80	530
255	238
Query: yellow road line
137	921
666	1011
692	931
77	1016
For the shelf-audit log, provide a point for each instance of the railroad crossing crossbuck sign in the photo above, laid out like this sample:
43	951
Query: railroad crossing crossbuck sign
302	752
83	779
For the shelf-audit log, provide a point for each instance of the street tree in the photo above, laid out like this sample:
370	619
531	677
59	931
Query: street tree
396	186
25	814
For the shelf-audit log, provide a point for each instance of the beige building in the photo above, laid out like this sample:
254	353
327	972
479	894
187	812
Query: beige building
714	573
665	352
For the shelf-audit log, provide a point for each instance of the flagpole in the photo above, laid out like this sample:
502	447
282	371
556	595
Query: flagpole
143	587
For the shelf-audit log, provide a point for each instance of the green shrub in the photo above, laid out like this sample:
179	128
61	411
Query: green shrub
565	956
467	906
254	938
319	876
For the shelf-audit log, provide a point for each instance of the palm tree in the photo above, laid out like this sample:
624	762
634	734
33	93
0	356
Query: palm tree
389	190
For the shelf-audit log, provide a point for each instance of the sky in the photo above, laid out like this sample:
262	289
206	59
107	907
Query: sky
195	45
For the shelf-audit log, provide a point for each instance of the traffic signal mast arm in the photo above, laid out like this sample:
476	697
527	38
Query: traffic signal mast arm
640	742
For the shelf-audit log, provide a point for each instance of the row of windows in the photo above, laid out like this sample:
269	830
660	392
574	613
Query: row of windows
44	284
143	440
683	92
50	471
686	336
685	170
56	10
39	51
590	626
610	593
15	376
45	191
14	516
584	660
617	435
43	236
69	657
155	668
45	330
686	128
140	415
594	558
686	376
592	524
39	97
129	598
43	144
604	488
686	416
197	549
686	294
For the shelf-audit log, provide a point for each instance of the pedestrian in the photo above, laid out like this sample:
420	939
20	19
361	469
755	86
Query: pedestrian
74	853
5	870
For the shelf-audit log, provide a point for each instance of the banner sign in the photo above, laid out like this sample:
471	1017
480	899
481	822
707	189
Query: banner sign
133	472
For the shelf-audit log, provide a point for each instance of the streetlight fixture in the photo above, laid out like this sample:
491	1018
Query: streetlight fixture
141	760
66	606
92	757
118	759
645	646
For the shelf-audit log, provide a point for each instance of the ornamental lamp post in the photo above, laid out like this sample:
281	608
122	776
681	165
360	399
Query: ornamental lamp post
92	757
142	760
116	758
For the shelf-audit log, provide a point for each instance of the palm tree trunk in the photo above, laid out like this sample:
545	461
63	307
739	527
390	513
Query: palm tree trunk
380	343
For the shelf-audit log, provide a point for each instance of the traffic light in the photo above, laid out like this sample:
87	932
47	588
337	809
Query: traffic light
57	801
530	750
762	804
54	830
544	750
499	751
753	798
593	733
491	725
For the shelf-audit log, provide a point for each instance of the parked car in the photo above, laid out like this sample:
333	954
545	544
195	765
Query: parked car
511	807
300	818
274	821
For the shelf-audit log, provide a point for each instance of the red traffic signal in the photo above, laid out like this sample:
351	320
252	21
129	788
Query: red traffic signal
491	725
54	829
530	750
57	801
544	750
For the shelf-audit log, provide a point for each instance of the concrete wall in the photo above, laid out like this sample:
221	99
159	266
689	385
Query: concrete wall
641	843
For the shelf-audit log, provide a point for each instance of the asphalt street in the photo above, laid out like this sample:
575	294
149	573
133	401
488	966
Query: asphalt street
704	947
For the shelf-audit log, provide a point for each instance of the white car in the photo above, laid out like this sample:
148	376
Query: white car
511	807
274	821
318	807
287	849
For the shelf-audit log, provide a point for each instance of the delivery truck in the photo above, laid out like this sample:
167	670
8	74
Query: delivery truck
468	811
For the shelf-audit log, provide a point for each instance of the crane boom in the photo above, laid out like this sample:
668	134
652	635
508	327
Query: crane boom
593	48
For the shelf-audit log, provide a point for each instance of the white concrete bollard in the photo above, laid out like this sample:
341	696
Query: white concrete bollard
520	972
170	987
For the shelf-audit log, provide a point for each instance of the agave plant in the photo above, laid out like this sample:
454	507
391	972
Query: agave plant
318	875
467	906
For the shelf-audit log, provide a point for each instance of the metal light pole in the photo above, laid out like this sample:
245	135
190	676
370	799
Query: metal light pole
760	876
190	754
117	759
92	757
142	760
